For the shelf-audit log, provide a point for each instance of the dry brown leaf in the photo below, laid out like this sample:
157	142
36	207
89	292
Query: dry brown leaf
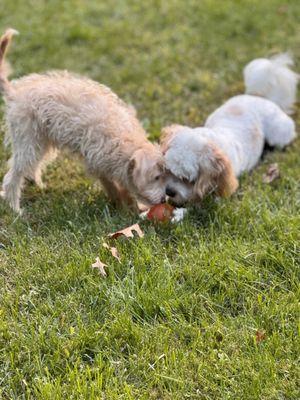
260	336
100	266
128	232
113	250
271	174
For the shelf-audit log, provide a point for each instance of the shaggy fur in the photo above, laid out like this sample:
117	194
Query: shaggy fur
210	158
58	110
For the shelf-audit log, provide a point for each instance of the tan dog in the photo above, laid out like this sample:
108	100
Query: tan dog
59	110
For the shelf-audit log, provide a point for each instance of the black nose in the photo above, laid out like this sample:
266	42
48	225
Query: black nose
170	192
163	199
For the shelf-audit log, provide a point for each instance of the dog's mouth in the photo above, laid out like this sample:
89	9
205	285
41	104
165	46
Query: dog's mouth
149	202
175	203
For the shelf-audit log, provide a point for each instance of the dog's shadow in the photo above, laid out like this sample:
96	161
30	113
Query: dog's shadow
86	211
80	209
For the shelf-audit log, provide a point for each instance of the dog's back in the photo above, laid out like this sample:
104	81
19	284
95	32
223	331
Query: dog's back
65	107
244	123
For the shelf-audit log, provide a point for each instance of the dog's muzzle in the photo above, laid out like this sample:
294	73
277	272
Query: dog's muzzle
170	192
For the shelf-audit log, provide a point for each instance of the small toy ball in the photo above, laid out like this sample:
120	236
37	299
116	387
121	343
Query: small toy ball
160	212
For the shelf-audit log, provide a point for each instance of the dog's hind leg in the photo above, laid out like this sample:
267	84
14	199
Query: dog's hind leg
12	186
280	130
25	162
49	156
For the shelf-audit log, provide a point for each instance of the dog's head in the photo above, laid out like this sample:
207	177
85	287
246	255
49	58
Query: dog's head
196	165
147	173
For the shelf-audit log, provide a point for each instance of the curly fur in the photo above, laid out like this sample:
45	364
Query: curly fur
59	110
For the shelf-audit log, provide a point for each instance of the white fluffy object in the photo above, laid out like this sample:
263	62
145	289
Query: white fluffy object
185	153
178	215
273	79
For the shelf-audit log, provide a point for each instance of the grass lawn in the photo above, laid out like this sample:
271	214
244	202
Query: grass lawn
179	317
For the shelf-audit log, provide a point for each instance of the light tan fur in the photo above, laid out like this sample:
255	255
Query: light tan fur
220	177
59	110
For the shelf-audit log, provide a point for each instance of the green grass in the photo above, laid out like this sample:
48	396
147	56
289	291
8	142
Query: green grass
177	318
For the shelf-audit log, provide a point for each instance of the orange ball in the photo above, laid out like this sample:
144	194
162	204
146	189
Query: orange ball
161	212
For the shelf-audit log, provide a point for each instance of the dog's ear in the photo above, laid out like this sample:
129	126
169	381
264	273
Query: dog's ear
167	133
215	173
131	166
134	163
226	181
137	166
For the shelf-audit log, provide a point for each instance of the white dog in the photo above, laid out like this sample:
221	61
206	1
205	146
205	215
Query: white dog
210	158
58	110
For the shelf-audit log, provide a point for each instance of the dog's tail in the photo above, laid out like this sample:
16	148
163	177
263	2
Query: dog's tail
273	79
4	66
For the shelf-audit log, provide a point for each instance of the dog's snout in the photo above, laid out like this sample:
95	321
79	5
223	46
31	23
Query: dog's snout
163	199
170	192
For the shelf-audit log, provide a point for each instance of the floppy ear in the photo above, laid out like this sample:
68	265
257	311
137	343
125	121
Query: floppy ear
136	164
139	166
167	133
227	182
216	173
131	166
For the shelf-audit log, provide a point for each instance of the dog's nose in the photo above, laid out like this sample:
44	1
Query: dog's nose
170	192
163	199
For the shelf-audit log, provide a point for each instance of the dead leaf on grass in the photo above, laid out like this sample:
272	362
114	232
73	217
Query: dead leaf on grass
113	250
271	174
260	336
128	232
100	266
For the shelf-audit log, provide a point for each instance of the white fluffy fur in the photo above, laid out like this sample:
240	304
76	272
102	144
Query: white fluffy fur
230	143
58	110
183	157
243	124
273	79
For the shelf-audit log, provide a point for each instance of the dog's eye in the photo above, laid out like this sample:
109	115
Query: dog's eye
188	181
157	177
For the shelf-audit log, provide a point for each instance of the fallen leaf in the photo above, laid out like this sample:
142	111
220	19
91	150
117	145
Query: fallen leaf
260	336
113	250
100	266
161	212
127	232
271	174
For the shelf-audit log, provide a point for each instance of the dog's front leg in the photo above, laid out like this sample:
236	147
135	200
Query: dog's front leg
116	193
111	190
125	198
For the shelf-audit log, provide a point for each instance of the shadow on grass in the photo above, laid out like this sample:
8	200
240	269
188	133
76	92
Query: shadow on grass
73	203
54	210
